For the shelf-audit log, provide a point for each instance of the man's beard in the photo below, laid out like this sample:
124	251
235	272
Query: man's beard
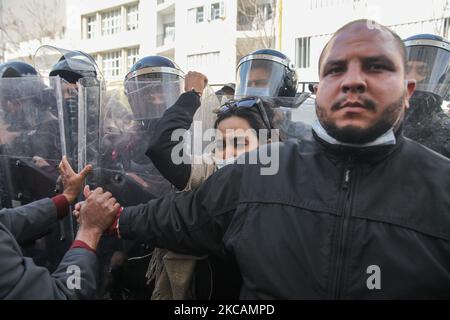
356	135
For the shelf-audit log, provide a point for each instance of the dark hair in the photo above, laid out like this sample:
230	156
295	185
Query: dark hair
251	115
397	39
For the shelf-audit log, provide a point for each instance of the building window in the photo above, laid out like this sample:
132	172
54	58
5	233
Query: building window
91	22
111	64
111	22
215	11
264	11
132	57
132	17
196	15
199	17
169	32
303	52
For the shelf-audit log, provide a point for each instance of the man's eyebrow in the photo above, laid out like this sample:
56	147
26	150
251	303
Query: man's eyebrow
334	62
331	63
381	59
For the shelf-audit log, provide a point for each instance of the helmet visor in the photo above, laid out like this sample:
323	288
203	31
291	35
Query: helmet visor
149	98
260	78
429	66
46	57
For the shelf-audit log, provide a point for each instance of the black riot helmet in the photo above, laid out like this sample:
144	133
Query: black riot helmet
16	69
74	65
266	72
428	62
153	85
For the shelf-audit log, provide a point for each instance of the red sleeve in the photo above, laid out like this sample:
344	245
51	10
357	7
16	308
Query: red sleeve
81	244
62	206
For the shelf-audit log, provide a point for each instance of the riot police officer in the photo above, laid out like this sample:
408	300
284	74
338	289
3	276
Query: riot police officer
428	62
152	85
30	149
268	73
71	67
27	126
16	69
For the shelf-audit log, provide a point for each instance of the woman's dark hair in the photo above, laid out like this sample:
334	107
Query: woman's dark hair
251	115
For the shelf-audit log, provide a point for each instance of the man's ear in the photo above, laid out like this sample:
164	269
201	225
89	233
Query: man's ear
315	88
410	87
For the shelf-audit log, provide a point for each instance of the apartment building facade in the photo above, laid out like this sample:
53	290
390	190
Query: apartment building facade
211	36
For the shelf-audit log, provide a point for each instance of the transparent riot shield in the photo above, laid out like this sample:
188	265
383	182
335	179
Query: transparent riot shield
69	65
115	141
32	142
46	58
115	144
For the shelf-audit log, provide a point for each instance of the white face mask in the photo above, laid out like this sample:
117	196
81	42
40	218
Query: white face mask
388	138
257	92
220	163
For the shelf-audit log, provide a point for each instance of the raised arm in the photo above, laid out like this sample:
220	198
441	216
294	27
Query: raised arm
179	116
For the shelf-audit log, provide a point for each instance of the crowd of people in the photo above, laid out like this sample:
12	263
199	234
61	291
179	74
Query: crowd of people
358	207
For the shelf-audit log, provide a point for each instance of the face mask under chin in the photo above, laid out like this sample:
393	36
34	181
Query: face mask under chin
257	92
220	163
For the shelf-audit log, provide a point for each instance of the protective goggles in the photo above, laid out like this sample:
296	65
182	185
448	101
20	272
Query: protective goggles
248	102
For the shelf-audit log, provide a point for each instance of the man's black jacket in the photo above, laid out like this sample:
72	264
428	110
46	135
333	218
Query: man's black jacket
334	222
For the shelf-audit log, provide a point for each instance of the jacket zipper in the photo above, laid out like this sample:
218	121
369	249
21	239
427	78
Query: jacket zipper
342	234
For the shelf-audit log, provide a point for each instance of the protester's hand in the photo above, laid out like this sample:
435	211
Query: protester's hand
98	211
96	215
7	136
195	81
76	211
72	181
